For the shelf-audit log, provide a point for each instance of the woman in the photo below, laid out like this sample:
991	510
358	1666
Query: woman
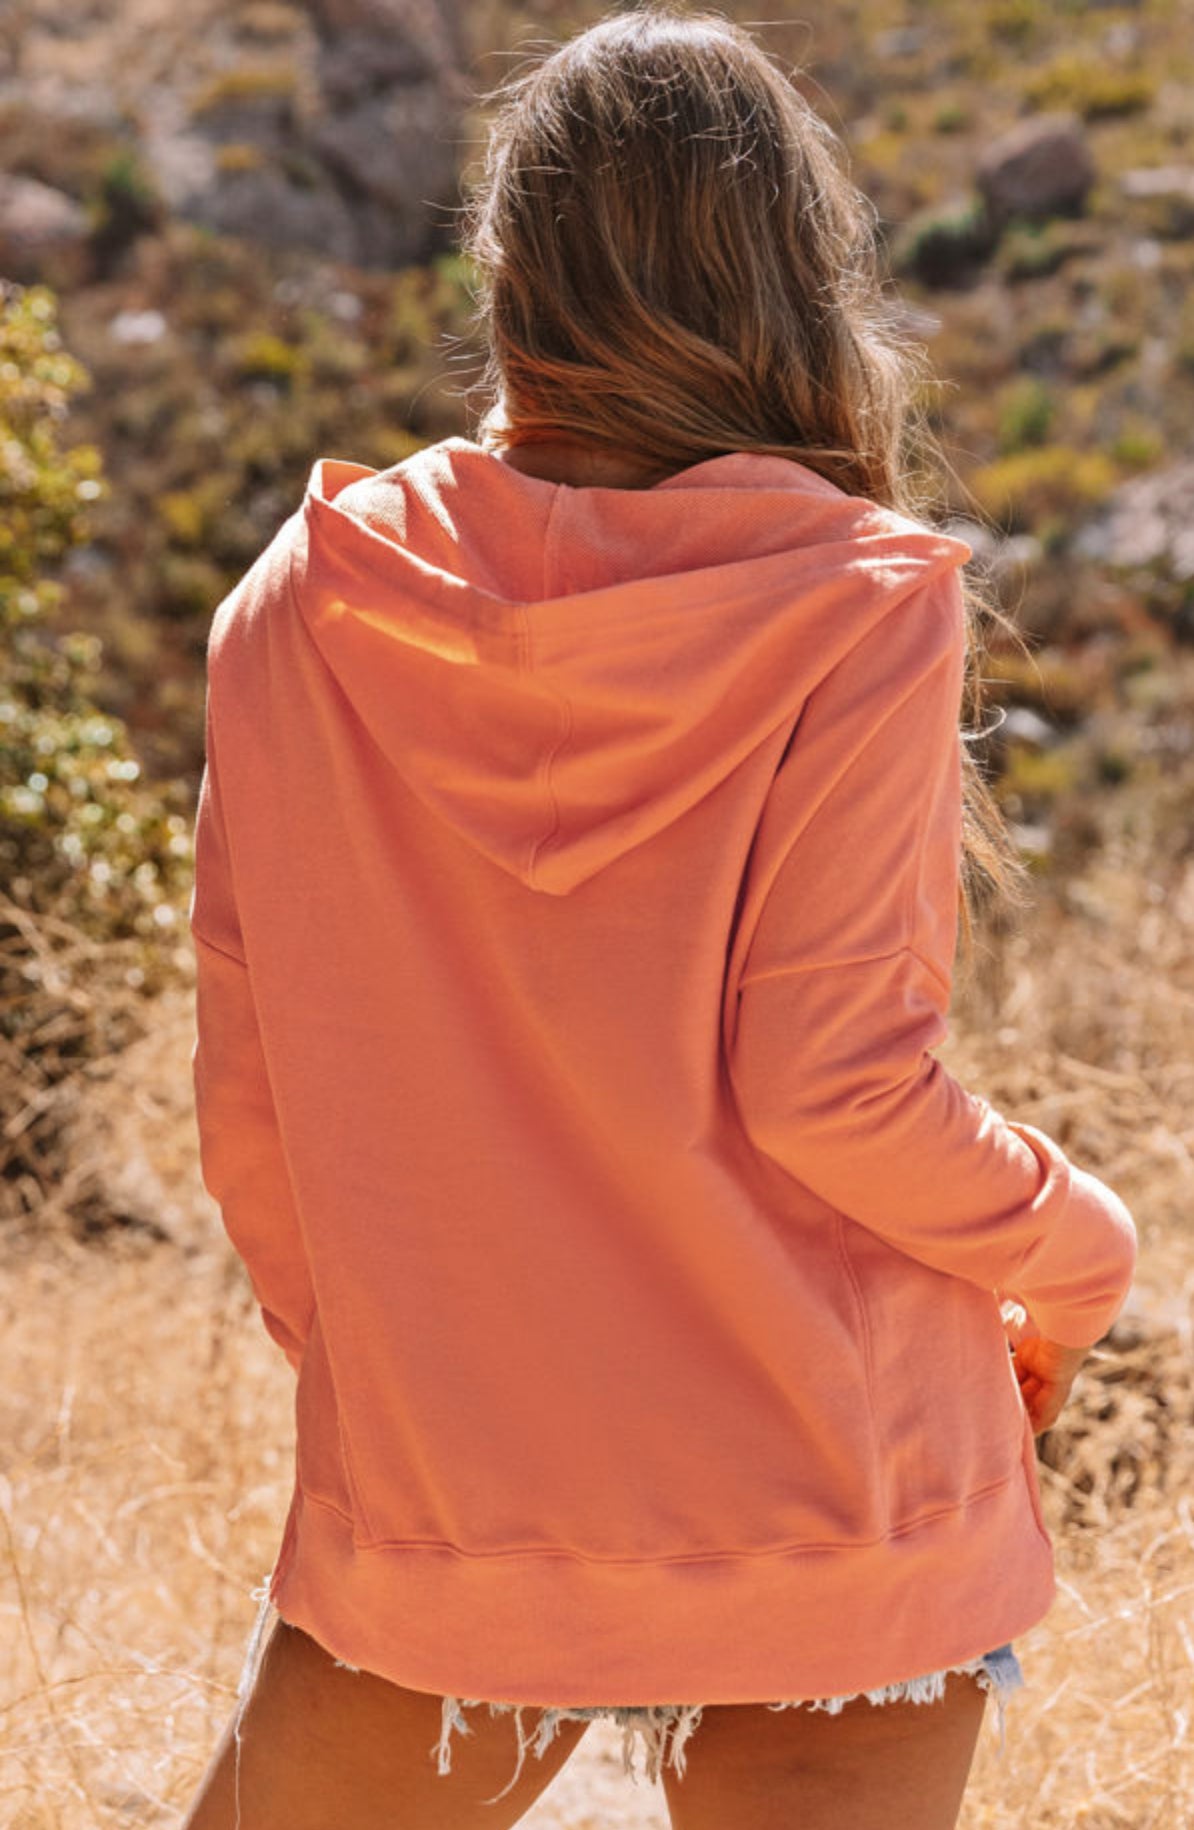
583	835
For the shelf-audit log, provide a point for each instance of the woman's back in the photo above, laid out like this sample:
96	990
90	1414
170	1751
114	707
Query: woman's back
615	859
578	873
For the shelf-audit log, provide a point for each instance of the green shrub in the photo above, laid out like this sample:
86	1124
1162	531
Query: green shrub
1032	250
1137	447
123	205
79	833
943	246
189	586
1113	765
95	864
1026	412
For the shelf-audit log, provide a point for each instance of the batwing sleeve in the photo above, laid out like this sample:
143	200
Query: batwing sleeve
845	987
242	1159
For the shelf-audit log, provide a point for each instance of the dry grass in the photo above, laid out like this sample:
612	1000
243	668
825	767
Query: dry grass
147	1421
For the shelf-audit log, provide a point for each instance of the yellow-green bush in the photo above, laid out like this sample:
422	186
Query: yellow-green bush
1090	86
1014	22
1137	446
249	83
183	513
1039	775
268	19
79	833
259	355
1050	484
94	863
239	156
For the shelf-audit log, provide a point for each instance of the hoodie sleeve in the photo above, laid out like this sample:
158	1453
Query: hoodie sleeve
846	984
241	1155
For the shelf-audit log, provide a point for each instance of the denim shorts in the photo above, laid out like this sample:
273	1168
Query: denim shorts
664	1727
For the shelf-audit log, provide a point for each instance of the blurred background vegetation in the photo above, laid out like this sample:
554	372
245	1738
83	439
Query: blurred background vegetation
207	284
213	274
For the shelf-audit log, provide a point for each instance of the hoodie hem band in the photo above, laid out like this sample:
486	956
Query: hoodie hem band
553	1631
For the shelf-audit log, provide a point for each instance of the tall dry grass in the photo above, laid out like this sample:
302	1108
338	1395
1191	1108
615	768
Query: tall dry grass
146	1418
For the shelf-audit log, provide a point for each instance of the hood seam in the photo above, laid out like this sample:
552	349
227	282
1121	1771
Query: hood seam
547	762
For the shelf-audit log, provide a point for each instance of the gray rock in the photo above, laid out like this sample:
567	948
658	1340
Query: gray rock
1035	840
352	72
1022	725
990	551
137	327
367	170
356	158
263	206
1169	190
1018	552
43	232
901	41
1148	523
1123	39
434	25
981	540
1041	167
394	149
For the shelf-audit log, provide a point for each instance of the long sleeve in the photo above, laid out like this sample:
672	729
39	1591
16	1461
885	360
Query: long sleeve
241	1153
846	984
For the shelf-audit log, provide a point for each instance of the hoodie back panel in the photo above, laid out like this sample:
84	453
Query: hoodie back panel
574	913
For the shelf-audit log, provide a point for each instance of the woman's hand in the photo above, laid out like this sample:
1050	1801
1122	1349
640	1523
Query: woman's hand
1046	1370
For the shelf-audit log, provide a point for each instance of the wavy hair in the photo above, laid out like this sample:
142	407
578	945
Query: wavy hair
672	263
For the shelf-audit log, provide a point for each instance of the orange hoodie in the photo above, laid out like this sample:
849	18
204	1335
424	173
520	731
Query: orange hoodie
574	917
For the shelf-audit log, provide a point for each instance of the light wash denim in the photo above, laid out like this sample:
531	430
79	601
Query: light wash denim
664	1727
662	1724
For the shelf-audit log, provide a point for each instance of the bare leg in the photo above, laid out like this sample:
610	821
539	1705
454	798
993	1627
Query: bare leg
889	1766
322	1747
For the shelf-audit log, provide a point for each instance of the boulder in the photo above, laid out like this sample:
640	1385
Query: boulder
392	149
1167	192
332	125
434	25
362	160
1147	523
263	206
44	234
1041	167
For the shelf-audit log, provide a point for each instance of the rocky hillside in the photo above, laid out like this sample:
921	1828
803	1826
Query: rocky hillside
252	281
262	121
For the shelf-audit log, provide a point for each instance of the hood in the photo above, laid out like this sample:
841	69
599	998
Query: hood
560	672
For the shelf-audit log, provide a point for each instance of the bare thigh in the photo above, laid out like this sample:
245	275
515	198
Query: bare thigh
324	1748
890	1766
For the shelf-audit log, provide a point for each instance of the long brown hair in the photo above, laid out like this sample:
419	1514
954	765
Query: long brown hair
672	263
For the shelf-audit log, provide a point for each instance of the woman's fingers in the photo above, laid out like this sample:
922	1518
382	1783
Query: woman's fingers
1046	1372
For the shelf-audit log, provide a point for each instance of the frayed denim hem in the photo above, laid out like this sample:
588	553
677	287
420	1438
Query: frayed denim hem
664	1727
